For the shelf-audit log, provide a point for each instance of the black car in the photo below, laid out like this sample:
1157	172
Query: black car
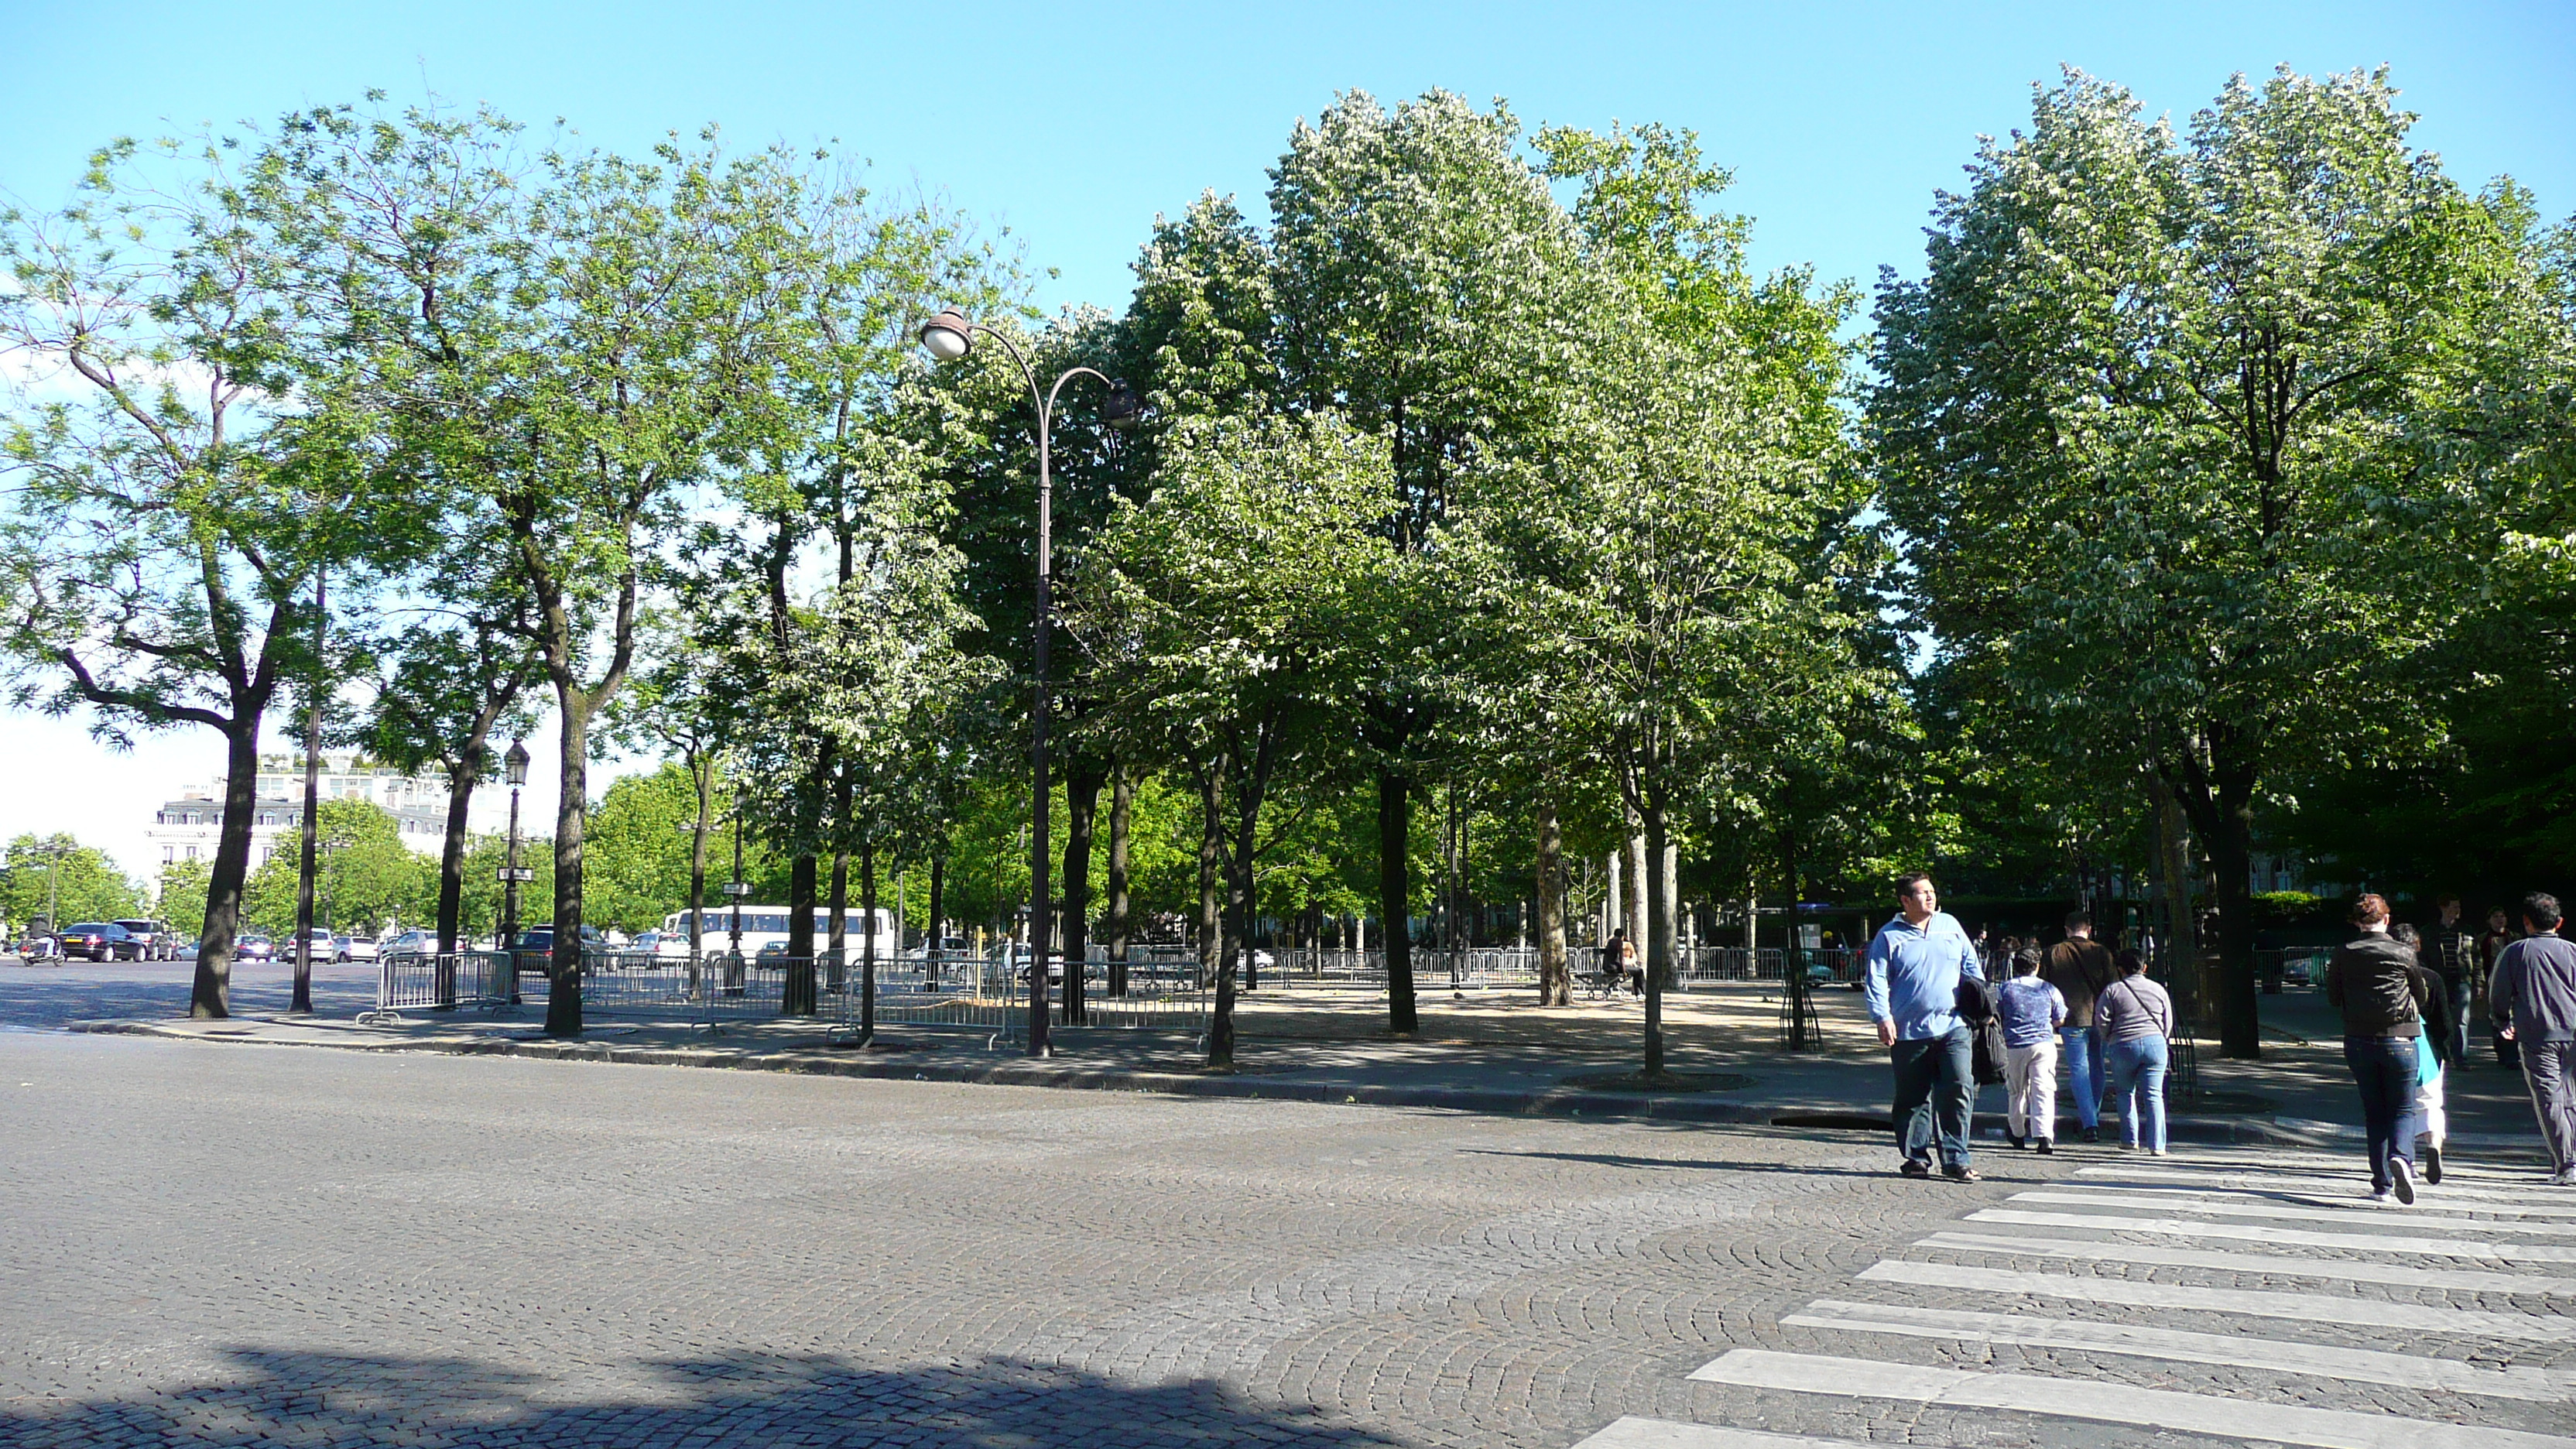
254	948
98	941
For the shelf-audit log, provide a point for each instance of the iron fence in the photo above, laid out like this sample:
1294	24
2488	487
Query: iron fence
404	982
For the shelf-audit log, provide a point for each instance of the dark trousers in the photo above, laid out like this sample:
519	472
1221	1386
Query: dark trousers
2384	1068
1934	1075
2549	1069
2460	995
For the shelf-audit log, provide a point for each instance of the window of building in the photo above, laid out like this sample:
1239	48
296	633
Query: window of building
192	855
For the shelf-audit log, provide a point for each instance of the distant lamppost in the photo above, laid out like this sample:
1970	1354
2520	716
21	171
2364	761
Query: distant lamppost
949	337
514	768
735	889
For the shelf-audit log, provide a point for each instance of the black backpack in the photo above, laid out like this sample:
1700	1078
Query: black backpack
1976	1006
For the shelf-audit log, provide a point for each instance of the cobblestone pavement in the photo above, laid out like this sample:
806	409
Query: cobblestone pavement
208	1244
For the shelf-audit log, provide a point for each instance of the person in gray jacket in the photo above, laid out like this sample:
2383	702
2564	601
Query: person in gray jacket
2533	998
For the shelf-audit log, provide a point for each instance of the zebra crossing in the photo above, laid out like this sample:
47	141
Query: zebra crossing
2445	1326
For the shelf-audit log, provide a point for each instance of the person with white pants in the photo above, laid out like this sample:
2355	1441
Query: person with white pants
2031	1011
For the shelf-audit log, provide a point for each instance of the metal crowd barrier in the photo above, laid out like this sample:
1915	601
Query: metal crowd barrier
478	979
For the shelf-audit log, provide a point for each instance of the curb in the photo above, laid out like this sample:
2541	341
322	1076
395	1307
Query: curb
1018	1072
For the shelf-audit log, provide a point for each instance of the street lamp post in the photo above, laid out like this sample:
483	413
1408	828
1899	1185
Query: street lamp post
949	337
514	767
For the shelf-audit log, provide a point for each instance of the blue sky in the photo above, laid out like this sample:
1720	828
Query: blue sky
1076	124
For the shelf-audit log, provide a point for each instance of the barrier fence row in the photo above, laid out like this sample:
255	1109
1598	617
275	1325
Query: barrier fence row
1157	987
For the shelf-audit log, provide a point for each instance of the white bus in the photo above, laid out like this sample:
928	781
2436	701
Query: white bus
762	925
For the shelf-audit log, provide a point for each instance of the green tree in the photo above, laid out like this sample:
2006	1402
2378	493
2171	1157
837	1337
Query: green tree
182	903
1236	664
75	882
2155	412
365	878
168	522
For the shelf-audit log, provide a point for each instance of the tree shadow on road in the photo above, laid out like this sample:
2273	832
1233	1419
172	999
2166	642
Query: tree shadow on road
1683	1164
290	1399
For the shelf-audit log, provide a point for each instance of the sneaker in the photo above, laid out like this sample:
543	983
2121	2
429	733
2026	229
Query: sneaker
2402	1173
2092	1134
2047	1148
2381	1197
2433	1162
2015	1141
2566	1177
1963	1173
2158	1151
1915	1167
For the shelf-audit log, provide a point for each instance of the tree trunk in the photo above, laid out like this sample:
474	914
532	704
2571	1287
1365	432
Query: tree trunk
868	941
796	994
2173	863
309	838
1555	978
1659	935
462	776
1395	898
702	770
1632	906
1211	853
837	916
1122	809
210	993
563	974
2239	1013
1083	777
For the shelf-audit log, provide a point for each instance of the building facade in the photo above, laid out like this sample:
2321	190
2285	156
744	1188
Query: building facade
187	828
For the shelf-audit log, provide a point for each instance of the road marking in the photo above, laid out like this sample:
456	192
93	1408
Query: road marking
2359	1161
2280	1212
2547	1386
1633	1432
2303	1307
2539	1201
2256	1233
2106	1403
2404	1275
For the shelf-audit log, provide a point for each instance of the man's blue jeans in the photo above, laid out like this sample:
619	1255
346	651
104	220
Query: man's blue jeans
2138	1085
2083	1073
1935	1077
2384	1068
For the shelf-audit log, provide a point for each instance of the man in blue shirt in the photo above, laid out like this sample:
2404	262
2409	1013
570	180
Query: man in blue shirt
1915	963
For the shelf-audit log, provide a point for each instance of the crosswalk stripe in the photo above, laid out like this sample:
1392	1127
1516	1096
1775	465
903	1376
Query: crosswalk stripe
1632	1432
2349	1196
2404	1275
2106	1403
2548	1386
2247	1303
2538	1201
2283	1212
2532	1176
2258	1233
2302	1307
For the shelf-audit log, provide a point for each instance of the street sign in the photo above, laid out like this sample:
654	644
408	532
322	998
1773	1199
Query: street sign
737	888
518	873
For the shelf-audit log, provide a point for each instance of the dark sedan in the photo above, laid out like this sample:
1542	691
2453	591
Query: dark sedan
254	948
99	941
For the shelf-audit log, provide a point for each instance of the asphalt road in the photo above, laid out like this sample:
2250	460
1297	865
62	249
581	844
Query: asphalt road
207	1244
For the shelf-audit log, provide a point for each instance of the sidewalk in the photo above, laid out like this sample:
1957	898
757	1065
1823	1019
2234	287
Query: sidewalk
1491	1051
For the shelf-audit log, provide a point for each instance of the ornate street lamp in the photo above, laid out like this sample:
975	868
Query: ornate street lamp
948	337
514	768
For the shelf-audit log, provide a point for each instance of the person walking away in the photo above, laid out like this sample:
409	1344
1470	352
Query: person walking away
2136	1018
2372	981
1912	990
2532	998
2425	1119
2491	946
2080	968
2032	1011
2452	956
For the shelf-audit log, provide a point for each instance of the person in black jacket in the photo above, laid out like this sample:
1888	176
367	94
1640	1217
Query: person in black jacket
2372	980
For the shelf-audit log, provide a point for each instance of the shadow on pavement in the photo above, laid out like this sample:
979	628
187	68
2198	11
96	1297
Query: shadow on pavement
296	1399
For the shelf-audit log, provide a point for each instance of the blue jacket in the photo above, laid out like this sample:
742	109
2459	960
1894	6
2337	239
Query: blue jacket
1914	975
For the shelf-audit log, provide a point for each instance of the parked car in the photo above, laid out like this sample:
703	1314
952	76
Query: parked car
536	947
409	943
951	948
254	947
98	941
358	948
154	940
